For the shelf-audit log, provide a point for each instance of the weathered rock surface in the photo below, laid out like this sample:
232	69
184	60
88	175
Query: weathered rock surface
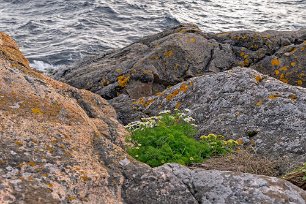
237	103
59	144
224	187
156	62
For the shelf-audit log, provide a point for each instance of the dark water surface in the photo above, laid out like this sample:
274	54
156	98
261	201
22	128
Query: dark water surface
57	32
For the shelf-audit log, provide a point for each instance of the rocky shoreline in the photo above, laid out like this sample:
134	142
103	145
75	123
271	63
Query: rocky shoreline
61	144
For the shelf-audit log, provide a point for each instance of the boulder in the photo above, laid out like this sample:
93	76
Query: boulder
225	187
60	144
63	145
153	63
239	103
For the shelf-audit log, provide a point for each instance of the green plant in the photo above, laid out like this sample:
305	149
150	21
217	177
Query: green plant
169	137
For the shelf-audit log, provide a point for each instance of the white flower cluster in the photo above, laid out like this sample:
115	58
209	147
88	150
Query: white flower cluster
151	122
186	116
144	123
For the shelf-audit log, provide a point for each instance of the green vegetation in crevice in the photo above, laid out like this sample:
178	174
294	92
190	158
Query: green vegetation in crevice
169	138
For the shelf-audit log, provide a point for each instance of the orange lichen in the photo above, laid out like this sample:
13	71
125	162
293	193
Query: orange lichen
273	96
169	53
284	68
123	80
143	102
172	95
19	143
293	97
36	111
50	185
184	87
31	163
258	78
275	62
283	78
178	105
85	178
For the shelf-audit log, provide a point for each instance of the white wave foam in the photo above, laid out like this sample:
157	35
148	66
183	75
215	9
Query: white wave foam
43	66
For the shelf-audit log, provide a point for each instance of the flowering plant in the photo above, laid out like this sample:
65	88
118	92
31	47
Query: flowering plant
169	137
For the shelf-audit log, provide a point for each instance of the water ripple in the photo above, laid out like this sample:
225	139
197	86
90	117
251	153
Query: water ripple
60	32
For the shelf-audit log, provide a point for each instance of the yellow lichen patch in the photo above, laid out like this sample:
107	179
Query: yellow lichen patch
172	95
299	82
184	87
159	94
293	64
273	96
71	198
276	72
169	53
192	40
31	163
258	78
293	97
148	102
275	62
259	103
283	78
301	75
240	141
178	105
246	62
143	102
18	143
284	68
123	80
36	111
50	185
85	178
140	101
242	54
286	81
241	64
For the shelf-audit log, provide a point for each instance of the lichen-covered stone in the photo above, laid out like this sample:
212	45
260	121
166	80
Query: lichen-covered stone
59	144
152	64
239	103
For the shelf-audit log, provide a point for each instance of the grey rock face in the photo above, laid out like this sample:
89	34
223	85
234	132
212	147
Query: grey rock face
60	144
241	103
155	62
226	187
